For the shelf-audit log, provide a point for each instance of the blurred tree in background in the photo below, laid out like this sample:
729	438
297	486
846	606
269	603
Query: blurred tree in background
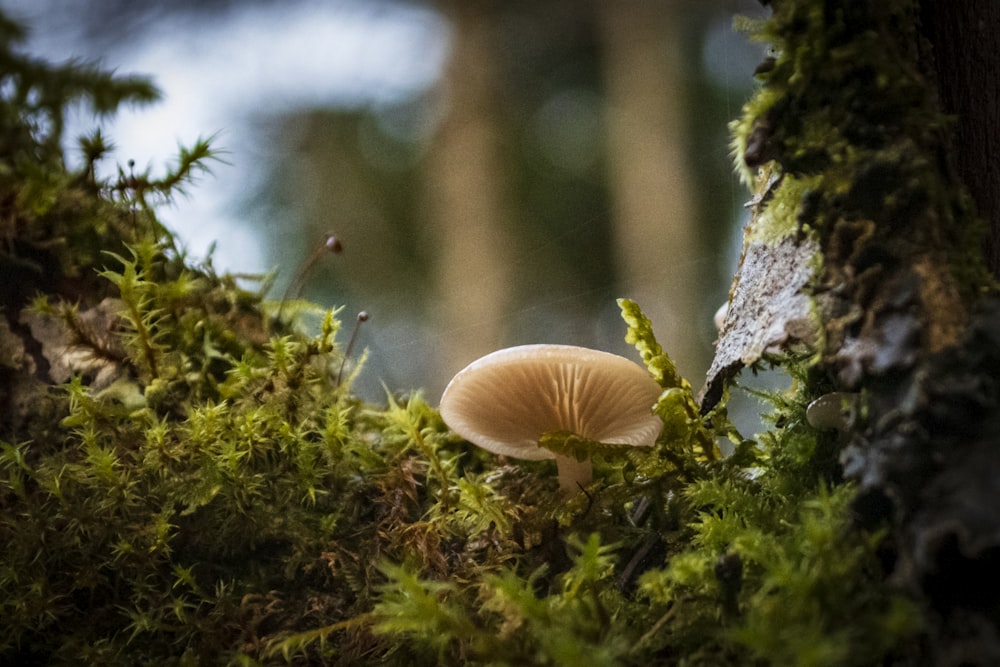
498	206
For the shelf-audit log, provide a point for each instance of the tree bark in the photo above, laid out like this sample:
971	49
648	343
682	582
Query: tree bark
965	42
863	184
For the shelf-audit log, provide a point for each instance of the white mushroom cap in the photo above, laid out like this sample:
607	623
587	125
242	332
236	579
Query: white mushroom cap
505	401
832	411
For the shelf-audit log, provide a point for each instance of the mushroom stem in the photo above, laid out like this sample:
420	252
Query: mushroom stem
573	474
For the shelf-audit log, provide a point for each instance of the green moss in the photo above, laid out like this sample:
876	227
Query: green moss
850	123
779	218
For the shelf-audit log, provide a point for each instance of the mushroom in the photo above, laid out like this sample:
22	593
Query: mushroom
720	316
506	401
832	411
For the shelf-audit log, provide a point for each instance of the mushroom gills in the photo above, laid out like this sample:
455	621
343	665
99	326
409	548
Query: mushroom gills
509	401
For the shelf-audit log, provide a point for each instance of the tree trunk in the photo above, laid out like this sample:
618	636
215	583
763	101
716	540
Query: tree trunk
467	209
965	40
865	250
653	216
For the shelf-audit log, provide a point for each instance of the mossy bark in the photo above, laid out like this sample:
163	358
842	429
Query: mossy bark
858	182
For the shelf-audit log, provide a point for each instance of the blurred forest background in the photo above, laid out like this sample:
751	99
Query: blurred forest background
498	172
